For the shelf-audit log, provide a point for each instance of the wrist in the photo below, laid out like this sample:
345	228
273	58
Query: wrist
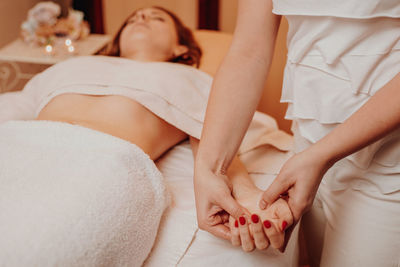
210	164
322	155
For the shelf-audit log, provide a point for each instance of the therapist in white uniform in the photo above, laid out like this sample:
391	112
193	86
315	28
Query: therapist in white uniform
342	83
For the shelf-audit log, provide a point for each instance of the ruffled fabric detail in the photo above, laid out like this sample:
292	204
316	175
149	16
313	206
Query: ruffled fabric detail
332	38
335	65
331	93
338	8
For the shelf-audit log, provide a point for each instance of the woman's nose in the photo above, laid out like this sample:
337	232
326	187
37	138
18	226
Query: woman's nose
141	16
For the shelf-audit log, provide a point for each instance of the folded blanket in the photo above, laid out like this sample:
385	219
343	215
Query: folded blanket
72	196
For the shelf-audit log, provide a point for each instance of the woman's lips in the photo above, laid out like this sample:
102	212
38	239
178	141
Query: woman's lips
138	24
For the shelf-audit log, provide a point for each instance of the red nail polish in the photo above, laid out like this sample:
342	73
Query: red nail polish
267	224
242	220
284	224
254	218
236	224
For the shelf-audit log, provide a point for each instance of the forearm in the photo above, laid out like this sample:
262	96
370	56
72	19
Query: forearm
238	85
237	173
375	119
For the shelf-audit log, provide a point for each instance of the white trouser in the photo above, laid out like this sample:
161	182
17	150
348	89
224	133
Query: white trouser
352	227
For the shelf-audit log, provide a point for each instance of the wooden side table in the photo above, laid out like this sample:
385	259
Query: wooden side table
19	61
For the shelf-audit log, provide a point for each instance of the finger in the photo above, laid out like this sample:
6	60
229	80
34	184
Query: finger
279	186
256	229
230	205
284	214
235	235
275	236
245	238
288	234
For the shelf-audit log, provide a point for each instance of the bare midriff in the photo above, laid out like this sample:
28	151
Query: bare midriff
116	115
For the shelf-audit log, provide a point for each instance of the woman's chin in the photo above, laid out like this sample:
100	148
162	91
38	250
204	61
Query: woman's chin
139	38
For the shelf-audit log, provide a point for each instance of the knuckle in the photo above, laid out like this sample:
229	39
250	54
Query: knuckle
258	231
236	211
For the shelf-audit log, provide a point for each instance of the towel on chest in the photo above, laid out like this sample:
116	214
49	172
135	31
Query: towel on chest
177	93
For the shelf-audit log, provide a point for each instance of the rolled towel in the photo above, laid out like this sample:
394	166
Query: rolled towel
72	196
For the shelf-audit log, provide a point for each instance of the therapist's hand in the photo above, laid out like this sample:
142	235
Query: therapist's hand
298	180
214	203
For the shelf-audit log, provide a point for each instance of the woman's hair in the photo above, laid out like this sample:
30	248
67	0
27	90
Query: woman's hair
185	37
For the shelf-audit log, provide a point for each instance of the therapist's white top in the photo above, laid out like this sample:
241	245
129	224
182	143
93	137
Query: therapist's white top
341	53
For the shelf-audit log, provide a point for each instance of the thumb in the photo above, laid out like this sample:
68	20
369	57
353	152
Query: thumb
230	205
278	187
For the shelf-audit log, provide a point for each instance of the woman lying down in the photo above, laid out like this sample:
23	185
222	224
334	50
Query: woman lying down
78	181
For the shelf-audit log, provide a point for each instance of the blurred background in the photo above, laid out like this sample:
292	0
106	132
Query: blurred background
105	17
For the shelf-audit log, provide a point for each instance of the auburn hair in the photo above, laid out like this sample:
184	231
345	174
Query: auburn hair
185	37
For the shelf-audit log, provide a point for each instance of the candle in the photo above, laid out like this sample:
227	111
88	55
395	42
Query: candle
68	42
49	49
71	49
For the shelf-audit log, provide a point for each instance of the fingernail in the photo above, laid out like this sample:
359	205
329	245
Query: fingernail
284	224
263	204
267	224
242	220
236	224
254	218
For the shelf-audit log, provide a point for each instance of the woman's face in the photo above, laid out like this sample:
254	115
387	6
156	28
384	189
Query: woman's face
150	32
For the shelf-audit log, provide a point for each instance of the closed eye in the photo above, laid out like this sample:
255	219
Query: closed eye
133	20
158	18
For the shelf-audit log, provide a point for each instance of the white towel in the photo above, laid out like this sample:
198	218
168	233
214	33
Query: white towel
72	196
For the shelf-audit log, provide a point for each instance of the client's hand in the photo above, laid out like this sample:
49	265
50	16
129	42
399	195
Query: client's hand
264	227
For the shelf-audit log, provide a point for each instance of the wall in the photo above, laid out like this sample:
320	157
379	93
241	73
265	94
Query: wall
227	15
116	11
12	14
